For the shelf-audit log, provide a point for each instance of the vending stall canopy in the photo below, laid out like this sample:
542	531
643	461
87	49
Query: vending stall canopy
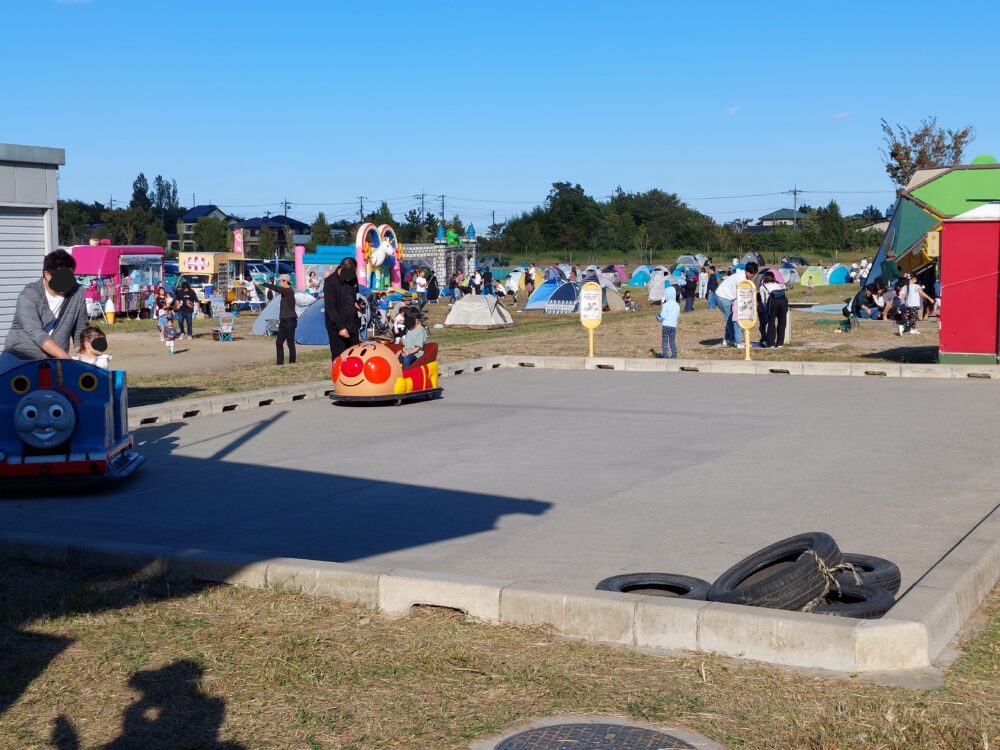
125	274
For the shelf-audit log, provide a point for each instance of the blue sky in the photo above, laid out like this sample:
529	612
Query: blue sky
248	103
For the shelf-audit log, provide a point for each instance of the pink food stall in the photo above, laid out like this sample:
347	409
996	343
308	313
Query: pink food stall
126	274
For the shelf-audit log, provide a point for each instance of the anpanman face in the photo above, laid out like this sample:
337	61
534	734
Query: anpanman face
367	369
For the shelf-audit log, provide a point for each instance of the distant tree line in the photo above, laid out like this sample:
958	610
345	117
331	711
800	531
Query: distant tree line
144	221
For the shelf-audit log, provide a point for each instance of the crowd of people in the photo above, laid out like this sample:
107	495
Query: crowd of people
51	319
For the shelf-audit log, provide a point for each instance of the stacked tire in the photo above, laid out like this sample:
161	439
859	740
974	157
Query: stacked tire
803	572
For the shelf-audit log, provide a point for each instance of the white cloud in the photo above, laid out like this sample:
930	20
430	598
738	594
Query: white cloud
842	116
733	110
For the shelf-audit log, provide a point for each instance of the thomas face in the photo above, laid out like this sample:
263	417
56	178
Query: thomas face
44	419
367	369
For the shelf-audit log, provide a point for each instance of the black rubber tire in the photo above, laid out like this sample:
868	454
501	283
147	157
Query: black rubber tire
876	570
657	584
793	585
865	602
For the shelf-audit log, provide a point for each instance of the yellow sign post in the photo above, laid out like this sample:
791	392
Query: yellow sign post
591	309
745	311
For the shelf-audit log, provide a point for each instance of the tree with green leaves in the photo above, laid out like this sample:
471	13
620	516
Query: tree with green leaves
154	234
265	241
381	216
320	233
140	194
126	226
927	147
210	235
871	215
73	220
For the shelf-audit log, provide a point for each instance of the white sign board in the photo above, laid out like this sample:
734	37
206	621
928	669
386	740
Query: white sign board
590	305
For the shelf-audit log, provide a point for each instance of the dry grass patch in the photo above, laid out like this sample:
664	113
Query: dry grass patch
193	667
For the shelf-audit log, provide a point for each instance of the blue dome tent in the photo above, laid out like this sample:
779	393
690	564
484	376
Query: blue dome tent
564	299
541	295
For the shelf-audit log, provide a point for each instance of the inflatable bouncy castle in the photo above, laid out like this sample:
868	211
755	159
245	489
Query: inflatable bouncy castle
378	253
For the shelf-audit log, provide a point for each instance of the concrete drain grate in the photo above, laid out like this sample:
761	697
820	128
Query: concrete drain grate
596	733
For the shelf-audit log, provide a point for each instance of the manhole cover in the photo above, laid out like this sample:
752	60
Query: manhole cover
593	737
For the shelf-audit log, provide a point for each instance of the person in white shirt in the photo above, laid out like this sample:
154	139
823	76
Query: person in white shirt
703	283
420	282
914	293
725	296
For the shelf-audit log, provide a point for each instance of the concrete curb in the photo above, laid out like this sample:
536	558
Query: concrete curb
947	595
911	637
184	409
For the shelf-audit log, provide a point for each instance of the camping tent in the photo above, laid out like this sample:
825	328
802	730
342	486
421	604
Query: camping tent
553	272
697	260
311	329
564	299
640	276
753	257
616	272
612	300
790	275
566	268
539	279
776	272
478	311
838	274
815	275
656	286
541	294
269	315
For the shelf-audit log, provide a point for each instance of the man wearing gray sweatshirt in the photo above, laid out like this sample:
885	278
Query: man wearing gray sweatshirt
49	316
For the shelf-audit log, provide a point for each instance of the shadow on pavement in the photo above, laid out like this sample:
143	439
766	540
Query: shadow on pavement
205	502
921	355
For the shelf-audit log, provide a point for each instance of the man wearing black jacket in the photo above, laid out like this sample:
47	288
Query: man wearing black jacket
288	319
340	291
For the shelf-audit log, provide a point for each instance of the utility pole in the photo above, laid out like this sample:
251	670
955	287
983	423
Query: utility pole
193	201
795	204
361	211
286	204
442	208
422	214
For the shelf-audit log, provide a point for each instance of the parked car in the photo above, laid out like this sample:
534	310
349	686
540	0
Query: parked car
171	270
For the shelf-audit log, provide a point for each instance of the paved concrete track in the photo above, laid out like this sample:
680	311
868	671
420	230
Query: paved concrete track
564	476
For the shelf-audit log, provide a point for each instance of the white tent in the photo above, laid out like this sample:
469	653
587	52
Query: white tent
613	300
478	311
656	286
790	275
267	322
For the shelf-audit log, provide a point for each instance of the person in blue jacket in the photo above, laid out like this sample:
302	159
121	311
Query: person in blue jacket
670	313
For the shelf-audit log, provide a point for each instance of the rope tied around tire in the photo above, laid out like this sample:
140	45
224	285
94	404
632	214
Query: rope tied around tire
828	572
